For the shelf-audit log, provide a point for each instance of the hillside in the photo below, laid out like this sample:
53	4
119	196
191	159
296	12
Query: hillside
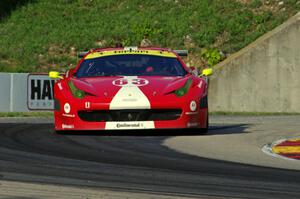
40	35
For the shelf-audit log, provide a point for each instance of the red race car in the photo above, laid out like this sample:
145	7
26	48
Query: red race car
131	88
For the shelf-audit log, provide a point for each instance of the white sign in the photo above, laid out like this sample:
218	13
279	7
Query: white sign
40	92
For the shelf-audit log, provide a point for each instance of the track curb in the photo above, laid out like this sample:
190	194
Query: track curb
280	147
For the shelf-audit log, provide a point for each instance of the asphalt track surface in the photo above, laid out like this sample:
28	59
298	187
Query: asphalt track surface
134	162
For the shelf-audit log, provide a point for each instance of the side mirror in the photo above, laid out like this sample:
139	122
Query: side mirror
55	75
207	72
194	70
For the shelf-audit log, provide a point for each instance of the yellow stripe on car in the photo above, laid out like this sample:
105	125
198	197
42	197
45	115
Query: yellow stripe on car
130	52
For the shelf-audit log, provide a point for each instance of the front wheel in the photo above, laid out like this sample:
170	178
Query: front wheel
204	131
60	132
199	131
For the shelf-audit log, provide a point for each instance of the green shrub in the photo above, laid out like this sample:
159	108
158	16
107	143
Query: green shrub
212	56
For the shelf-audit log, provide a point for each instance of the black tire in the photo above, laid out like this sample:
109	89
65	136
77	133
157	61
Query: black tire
198	131
205	130
60	132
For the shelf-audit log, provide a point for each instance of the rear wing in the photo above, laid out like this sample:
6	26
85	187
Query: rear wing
182	53
82	54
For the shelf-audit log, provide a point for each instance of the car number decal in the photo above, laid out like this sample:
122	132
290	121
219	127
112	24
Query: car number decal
130	82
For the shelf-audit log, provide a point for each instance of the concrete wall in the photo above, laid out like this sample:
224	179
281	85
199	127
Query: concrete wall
13	92
263	77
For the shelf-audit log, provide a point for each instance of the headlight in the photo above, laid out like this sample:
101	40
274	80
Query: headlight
183	90
75	91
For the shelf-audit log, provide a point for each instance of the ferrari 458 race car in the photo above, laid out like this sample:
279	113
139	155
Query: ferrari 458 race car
130	88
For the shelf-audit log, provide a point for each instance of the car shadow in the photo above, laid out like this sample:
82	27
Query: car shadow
213	130
228	129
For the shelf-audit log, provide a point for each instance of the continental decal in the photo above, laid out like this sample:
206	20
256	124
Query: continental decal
125	125
129	125
130	52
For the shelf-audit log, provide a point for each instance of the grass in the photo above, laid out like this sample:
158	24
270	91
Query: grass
27	114
40	35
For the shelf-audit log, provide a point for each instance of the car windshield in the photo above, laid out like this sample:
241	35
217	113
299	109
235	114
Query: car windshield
131	65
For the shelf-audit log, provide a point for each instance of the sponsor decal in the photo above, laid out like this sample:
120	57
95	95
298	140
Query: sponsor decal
40	92
87	105
67	108
193	106
68	115
195	124
125	125
65	126
129	100
130	51
129	125
59	86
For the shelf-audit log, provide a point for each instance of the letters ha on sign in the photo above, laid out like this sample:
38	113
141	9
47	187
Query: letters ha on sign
40	92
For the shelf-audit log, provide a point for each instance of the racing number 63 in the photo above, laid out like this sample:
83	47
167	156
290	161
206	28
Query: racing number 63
129	82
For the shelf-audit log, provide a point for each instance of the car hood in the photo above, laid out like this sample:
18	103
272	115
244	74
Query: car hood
110	86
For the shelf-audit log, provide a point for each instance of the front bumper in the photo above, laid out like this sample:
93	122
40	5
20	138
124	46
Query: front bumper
91	115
